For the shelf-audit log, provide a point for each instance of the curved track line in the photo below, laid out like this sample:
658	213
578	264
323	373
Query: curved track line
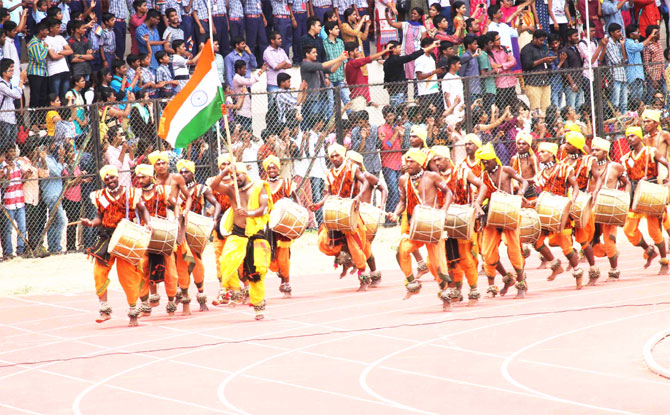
504	368
647	350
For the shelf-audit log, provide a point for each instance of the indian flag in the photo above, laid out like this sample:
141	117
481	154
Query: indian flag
193	111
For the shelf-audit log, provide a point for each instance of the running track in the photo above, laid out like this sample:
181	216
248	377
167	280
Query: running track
332	350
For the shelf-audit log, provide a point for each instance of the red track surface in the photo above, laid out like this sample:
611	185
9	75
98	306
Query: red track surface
529	356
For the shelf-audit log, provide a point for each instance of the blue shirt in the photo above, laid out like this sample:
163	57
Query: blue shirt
142	45
612	14
470	67
229	63
51	188
634	52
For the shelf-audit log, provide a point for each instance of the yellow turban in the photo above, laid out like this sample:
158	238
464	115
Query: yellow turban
416	155
357	157
487	153
420	132
474	139
186	164
634	131
441	151
158	155
108	170
241	168
571	126
224	158
144	170
271	159
654	115
548	147
601	144
576	139
524	136
337	149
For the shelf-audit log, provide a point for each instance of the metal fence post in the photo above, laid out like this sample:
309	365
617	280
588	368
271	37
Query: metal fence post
467	94
94	125
157	117
339	131
599	128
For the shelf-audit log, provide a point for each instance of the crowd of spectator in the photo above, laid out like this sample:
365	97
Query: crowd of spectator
498	66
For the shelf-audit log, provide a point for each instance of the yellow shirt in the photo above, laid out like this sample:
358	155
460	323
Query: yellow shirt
51	125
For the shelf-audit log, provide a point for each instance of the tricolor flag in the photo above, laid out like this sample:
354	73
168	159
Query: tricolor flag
193	111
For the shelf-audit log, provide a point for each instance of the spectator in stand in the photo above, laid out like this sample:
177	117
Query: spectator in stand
364	140
220	25
559	12
108	41
75	96
592	54
133	64
313	73
413	32
312	38
95	37
119	8
120	82
611	11
316	149
51	190
503	62
236	19
136	20
180	63
282	17
119	154
52	116
635	74
301	162
485	45
452	88
652	56
334	48
595	15
201	20
426	71
9	93
218	61
172	31
647	14
299	24
141	120
37	67
57	69
391	135
239	81
555	79
36	209
240	52
72	196
9	50
147	37
505	32
254	25
470	66
165	85
573	80
82	51
277	62
356	70
12	173
287	102
352	28
534	59
394	72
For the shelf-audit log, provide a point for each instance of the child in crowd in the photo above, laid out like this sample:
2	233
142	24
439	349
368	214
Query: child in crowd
180	63
163	75
108	40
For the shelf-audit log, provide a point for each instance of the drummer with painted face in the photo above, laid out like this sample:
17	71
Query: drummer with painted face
189	261
174	184
366	197
420	187
524	163
280	244
613	176
246	244
112	204
156	268
585	169
659	139
557	178
498	178
642	164
345	180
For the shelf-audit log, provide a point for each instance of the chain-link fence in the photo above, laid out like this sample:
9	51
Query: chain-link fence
59	150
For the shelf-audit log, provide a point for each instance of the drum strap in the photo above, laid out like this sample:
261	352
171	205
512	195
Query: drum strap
99	250
646	165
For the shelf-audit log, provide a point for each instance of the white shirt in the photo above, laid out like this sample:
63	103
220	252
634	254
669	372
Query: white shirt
57	44
250	157
14	15
319	170
180	69
558	7
453	86
506	34
9	51
426	64
301	164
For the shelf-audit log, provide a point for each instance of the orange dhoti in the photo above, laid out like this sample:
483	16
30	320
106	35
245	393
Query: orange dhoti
437	259
170	276
357	245
467	262
187	263
218	248
129	276
631	228
609	240
584	235
281	262
562	239
491	238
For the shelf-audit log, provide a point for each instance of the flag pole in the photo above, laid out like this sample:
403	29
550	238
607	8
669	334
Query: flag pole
211	38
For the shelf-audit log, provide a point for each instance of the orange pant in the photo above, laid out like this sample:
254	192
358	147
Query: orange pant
437	257
630	228
170	276
282	262
609	239
357	244
562	239
491	238
467	263
584	235
130	278
186	266
218	248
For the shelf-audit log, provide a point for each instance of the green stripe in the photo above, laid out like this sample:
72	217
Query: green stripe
202	122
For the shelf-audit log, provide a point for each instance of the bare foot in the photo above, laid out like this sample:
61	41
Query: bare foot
446	305
409	294
186	309
103	318
508	284
578	282
520	294
650	257
472	302
133	322
555	273
592	282
664	270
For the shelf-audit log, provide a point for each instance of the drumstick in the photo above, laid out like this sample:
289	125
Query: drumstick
230	151
74	223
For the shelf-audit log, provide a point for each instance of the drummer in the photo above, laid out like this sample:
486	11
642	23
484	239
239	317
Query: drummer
586	172
246	226
613	177
556	179
112	204
280	244
173	183
642	164
420	187
524	163
156	268
496	177
656	137
374	184
345	180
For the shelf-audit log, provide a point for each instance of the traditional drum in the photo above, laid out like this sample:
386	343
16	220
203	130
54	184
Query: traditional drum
460	222
427	224
650	198
222	223
504	211
554	211
372	216
129	241
198	229
530	226
611	207
288	218
340	214
581	210
163	236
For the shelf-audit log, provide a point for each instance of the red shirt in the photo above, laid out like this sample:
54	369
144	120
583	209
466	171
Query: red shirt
135	22
356	73
390	160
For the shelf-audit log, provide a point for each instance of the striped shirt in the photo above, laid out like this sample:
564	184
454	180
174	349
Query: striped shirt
218	7
280	8
252	7
108	41
360	4
322	3
37	57
163	75
172	4
342	5
299	6
200	7
236	11
147	77
333	51
13	195
119	8
286	101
